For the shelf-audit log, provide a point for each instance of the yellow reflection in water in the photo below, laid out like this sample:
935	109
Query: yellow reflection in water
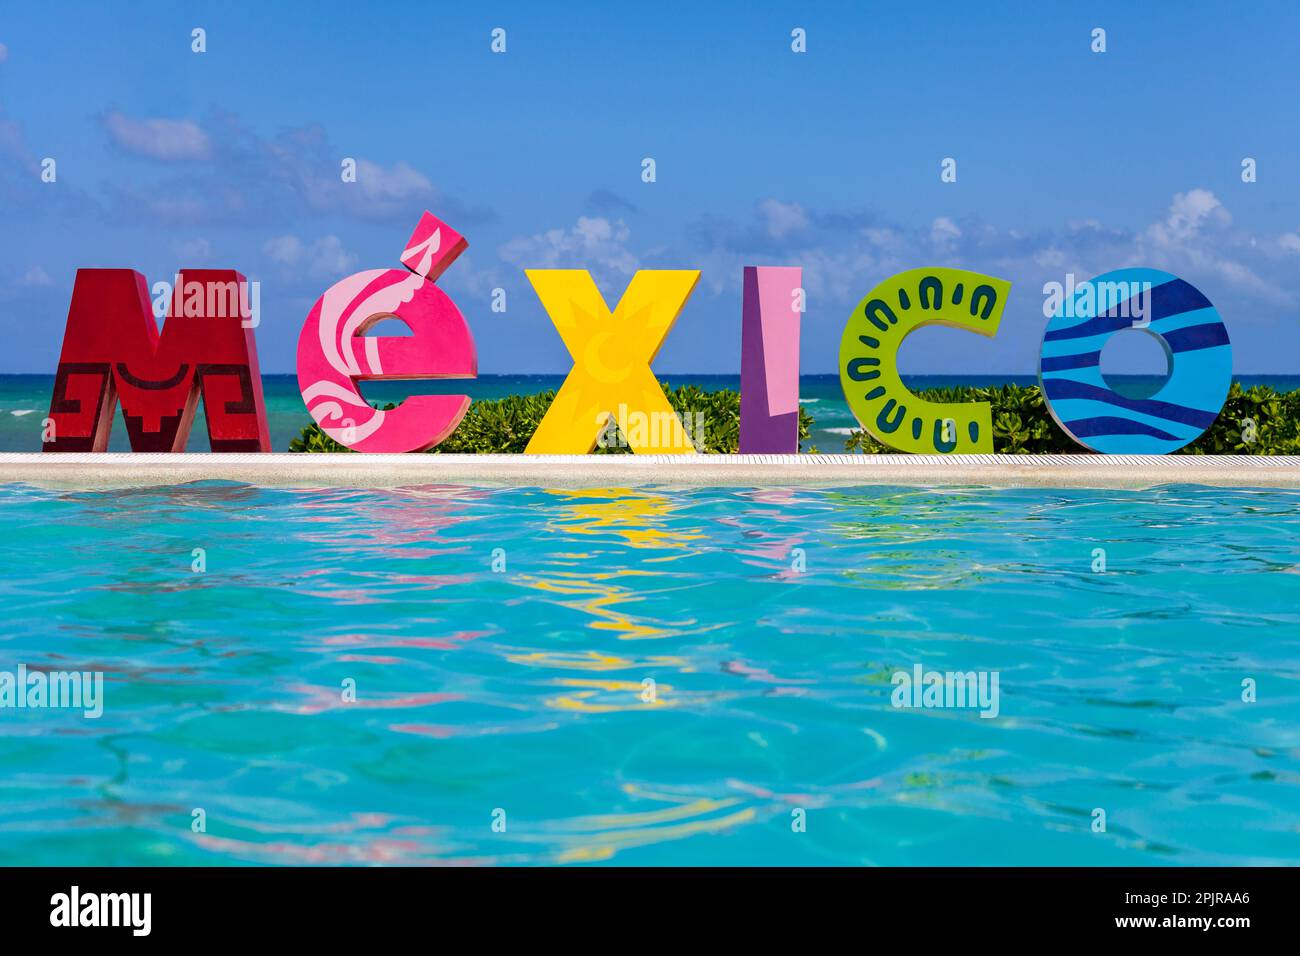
605	601
626	695
596	661
640	518
599	837
612	696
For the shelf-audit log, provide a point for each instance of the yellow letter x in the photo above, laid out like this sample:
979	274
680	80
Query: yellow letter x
611	361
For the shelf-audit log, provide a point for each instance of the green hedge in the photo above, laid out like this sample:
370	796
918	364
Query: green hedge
504	425
1021	423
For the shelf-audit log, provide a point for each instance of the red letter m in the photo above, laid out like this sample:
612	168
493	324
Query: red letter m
112	351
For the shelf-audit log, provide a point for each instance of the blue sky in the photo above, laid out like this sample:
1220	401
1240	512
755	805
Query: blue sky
1067	160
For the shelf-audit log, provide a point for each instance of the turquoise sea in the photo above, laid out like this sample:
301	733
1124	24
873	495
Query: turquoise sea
25	400
652	676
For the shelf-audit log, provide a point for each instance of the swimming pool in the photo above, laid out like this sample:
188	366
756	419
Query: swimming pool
653	675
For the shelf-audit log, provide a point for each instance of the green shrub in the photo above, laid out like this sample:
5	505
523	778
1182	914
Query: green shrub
505	425
1023	425
1277	424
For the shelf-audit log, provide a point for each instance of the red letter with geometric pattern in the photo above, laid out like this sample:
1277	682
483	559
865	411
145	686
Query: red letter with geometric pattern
112	351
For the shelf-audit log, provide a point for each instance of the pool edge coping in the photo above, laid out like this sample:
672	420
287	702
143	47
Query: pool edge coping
132	469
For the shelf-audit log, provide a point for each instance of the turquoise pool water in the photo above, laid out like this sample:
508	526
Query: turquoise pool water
519	695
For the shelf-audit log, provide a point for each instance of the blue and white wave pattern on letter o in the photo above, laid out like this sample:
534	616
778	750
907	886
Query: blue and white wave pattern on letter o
1195	339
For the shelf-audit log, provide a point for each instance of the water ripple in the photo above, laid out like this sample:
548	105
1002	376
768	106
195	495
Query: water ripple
446	675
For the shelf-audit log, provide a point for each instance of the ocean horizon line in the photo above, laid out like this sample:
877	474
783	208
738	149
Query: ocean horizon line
832	375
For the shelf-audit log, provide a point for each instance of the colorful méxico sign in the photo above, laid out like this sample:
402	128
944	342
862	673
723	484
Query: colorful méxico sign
113	351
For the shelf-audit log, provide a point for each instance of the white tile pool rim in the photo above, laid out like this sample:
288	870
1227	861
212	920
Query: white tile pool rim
128	469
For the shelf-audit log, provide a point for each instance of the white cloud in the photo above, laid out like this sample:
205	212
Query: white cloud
20	284
323	259
192	251
395	192
1050	258
883	238
1188	212
593	243
1195	237
782	218
162	139
466	278
285	250
944	230
398	182
34	277
236	175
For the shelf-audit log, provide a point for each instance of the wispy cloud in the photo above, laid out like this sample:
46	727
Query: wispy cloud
843	255
227	174
21	186
606	202
593	242
323	259
24	282
34	277
166	140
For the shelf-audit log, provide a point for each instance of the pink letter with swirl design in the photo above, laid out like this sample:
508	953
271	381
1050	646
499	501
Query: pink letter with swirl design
334	352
